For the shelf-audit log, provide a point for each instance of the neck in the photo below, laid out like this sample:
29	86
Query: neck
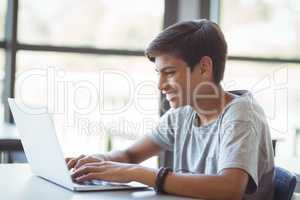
210	104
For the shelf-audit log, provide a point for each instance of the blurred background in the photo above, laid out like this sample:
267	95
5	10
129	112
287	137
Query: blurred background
77	40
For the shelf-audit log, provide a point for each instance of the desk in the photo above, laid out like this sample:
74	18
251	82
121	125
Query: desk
18	183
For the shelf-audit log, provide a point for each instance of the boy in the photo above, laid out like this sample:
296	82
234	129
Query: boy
220	140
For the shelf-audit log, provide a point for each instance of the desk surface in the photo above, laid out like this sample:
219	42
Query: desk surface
18	183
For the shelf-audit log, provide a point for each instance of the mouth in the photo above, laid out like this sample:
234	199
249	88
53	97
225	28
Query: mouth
170	96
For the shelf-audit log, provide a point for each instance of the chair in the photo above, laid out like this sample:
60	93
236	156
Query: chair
285	183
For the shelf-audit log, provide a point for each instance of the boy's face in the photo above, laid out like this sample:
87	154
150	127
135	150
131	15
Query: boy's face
176	81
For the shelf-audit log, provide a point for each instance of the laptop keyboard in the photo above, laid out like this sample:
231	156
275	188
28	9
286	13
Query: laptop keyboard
100	183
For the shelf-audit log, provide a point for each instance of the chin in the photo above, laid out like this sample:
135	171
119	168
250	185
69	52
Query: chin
174	104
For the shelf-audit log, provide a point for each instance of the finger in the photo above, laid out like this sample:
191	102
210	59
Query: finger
82	162
98	166
86	160
81	156
71	163
85	170
88	177
67	159
101	166
94	164
78	159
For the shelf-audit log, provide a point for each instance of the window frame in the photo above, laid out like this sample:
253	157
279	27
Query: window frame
2	44
209	9
11	46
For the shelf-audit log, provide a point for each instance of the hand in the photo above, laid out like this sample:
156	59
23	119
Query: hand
83	159
105	170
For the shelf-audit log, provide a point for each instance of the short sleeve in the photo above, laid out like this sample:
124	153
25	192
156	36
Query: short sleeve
239	148
163	133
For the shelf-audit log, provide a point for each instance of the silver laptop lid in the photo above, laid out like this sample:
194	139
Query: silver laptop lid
41	146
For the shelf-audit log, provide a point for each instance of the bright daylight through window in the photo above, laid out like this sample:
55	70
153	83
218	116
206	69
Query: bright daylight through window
267	29
87	88
105	24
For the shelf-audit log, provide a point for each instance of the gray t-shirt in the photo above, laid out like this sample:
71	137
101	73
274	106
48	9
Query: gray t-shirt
238	138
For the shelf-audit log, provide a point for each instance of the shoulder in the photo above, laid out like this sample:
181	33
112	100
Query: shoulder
244	108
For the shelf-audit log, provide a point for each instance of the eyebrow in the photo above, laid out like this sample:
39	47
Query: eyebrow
164	69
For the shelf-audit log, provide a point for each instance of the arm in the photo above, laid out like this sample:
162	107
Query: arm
138	152
230	184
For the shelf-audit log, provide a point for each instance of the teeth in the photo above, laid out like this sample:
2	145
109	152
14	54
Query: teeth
170	96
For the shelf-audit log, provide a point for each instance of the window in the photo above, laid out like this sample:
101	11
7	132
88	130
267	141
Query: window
86	88
2	18
262	28
1	81
275	87
99	23
79	42
266	31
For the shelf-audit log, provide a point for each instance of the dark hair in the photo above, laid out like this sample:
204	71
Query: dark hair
190	41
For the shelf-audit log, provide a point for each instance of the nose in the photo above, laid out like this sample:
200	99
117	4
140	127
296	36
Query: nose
162	82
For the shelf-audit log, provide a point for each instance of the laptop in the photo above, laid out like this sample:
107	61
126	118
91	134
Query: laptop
45	157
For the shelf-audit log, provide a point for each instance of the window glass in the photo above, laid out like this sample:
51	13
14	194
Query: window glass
92	98
2	17
275	87
262	28
98	23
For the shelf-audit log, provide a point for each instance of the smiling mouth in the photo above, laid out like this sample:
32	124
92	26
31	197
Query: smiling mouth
169	97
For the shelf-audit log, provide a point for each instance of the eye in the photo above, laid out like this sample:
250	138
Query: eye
170	73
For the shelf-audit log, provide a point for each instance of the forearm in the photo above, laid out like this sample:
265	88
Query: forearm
118	156
141	150
199	186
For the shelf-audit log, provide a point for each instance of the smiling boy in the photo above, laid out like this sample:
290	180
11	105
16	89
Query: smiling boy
220	139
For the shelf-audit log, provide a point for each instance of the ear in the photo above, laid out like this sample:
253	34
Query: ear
205	66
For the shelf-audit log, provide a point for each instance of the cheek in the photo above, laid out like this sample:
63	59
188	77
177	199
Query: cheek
195	84
179	82
175	83
183	83
181	86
